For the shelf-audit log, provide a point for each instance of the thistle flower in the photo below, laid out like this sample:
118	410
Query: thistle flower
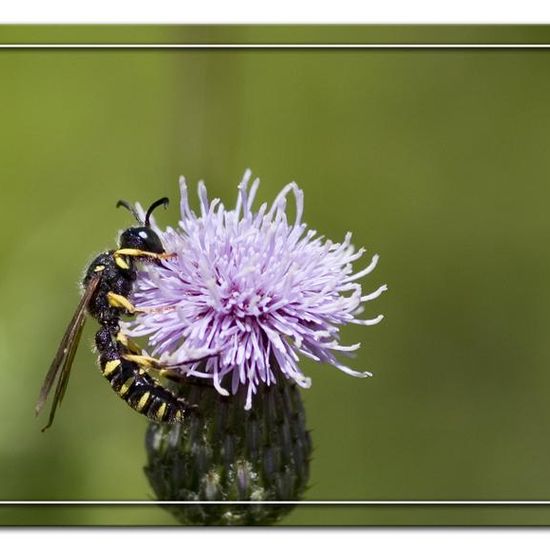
251	291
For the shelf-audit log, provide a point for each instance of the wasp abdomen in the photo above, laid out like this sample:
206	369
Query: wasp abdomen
142	392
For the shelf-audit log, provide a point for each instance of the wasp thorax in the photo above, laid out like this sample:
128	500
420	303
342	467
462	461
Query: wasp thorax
141	238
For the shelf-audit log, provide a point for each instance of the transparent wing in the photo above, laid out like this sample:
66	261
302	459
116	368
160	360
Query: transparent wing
60	368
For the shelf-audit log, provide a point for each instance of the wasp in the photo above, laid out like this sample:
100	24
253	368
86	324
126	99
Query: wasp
107	285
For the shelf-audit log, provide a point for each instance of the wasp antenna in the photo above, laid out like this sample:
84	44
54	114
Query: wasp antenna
129	207
164	201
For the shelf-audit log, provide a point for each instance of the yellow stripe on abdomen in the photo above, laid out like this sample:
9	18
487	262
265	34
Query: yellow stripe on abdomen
143	401
160	412
126	386
110	366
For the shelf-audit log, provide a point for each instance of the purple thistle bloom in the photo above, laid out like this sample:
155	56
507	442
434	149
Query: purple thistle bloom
249	292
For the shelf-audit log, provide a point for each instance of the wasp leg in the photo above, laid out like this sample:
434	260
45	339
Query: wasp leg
129	344
166	371
142	360
117	300
136	252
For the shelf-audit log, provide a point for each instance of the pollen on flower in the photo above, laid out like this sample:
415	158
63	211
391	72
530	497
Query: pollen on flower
250	292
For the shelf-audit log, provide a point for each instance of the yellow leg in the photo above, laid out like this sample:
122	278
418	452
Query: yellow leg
129	344
117	300
142	360
143	253
152	363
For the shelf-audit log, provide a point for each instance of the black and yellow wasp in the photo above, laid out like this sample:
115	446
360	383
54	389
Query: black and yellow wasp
107	285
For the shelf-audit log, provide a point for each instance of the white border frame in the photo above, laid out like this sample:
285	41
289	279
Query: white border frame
277	502
280	12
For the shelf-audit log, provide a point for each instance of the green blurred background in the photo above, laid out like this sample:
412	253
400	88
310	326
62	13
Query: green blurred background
435	159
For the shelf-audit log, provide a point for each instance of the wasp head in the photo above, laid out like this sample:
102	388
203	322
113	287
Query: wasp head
142	237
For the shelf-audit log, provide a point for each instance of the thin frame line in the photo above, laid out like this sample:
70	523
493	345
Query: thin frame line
279	502
279	46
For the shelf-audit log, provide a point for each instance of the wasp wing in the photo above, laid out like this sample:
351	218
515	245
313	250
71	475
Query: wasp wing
62	362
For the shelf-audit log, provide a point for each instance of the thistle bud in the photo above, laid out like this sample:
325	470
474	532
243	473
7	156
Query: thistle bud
223	452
